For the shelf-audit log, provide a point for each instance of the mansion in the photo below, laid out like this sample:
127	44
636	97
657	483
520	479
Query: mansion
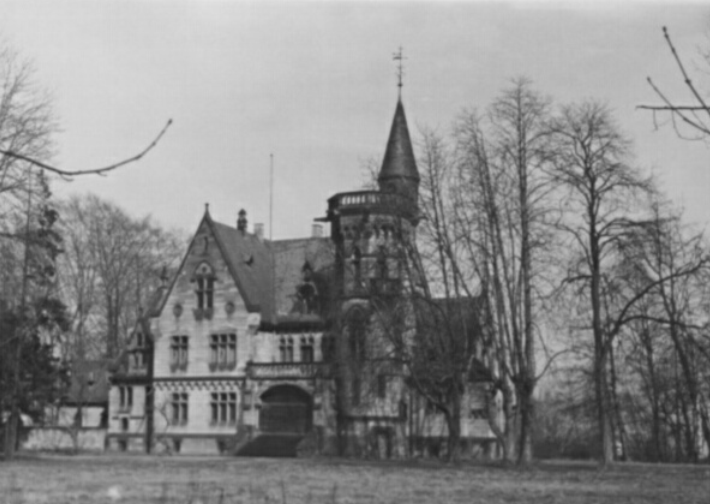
270	347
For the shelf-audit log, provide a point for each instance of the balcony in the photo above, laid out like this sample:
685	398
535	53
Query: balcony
372	201
287	370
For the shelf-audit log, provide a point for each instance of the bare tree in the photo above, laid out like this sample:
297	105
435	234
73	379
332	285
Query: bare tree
694	115
111	265
660	248
500	241
592	166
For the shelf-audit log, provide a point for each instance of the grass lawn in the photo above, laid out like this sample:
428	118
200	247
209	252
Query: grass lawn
142	479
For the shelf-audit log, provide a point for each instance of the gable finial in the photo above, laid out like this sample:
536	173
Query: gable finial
399	57
207	208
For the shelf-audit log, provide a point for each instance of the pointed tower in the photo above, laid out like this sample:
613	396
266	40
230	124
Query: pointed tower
399	172
370	227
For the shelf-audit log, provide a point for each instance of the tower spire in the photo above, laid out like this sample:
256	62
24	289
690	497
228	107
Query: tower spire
399	58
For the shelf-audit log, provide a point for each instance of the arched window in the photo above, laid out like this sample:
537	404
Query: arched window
356	327
204	277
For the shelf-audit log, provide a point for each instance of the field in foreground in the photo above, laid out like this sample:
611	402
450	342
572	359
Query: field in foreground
141	479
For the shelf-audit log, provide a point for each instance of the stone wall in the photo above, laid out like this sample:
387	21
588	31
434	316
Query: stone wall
59	438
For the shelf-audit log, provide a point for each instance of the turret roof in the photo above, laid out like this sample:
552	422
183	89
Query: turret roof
399	161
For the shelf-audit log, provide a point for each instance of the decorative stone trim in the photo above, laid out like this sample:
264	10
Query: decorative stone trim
222	366
216	384
203	313
178	367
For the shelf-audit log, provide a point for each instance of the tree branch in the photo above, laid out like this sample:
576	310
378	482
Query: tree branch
97	171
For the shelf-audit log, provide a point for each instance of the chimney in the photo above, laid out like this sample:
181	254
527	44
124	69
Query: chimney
259	230
242	221
317	231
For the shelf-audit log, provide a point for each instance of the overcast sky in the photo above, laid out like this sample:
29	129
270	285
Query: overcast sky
314	84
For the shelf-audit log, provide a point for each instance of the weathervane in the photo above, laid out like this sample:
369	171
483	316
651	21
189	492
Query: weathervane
400	69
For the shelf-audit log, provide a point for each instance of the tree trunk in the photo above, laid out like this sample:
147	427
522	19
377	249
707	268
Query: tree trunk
620	427
600	342
527	416
453	422
11	427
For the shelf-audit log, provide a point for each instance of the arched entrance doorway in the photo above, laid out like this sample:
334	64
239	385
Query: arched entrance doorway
286	409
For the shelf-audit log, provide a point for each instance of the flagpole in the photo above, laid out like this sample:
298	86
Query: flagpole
271	198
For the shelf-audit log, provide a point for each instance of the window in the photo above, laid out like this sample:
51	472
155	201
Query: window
205	292
204	277
327	344
357	267
178	352
286	349
124	424
355	391
139	340
125	398
179	409
381	386
138	359
357	328
223	351
382	272
224	408
307	349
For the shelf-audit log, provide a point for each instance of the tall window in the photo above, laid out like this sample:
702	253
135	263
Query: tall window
205	293
204	276
382	272
327	345
125	398
179	408
355	391
223	351
178	352
357	267
286	349
138	359
307	349
357	329
381	386
224	408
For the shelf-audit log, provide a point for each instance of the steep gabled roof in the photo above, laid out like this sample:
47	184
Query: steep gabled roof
249	261
266	273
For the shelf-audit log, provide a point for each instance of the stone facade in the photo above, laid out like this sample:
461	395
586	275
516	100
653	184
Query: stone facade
256	342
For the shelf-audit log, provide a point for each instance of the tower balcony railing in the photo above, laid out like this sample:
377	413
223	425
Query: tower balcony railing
284	370
370	200
358	198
